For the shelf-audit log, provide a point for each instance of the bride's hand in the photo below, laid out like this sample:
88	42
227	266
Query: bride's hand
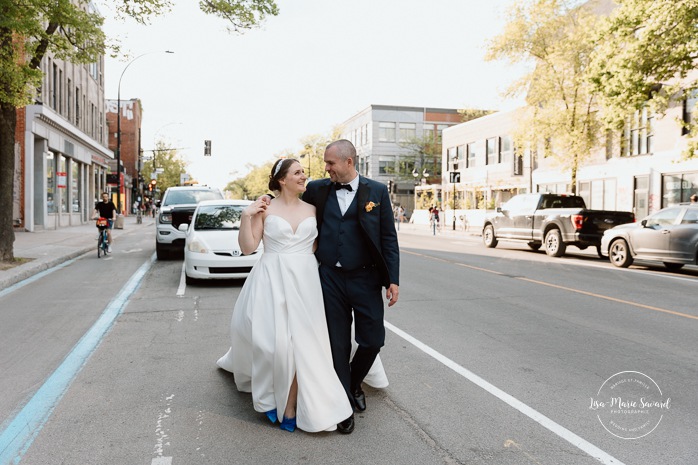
258	206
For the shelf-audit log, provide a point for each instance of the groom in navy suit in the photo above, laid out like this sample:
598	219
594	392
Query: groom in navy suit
359	255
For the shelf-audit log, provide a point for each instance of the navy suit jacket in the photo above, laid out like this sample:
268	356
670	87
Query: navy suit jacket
377	225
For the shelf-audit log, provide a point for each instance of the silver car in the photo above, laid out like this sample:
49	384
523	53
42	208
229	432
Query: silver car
669	236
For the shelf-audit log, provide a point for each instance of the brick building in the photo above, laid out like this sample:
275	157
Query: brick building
131	120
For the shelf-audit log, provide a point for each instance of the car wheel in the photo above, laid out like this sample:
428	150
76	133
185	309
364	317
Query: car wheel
553	243
189	280
619	253
160	252
488	236
534	245
673	266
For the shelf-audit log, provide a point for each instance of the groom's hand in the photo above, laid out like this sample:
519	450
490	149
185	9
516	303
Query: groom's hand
391	294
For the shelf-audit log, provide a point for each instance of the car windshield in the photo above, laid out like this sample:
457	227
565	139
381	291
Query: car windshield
665	217
562	202
218	217
180	197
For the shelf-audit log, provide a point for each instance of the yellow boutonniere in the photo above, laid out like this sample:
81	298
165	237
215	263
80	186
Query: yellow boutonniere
370	206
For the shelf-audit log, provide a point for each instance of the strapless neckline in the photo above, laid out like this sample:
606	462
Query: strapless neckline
289	224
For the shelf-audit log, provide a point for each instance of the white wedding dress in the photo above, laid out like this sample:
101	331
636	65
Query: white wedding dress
278	329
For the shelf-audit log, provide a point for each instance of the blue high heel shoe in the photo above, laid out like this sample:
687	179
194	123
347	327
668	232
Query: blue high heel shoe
288	424
271	414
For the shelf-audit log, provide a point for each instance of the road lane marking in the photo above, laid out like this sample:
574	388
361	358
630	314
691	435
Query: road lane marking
612	299
565	288
161	461
534	415
182	281
19	434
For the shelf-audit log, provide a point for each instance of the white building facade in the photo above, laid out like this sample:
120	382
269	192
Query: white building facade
63	155
641	170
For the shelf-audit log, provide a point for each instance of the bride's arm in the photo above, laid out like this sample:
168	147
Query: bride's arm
252	226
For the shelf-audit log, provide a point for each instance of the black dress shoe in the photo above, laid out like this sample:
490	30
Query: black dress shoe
347	426
359	399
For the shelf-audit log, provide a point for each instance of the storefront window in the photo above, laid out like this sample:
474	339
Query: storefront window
62	179
50	183
75	185
672	186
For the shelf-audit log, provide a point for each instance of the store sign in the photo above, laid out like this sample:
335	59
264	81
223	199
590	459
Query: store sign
61	179
676	185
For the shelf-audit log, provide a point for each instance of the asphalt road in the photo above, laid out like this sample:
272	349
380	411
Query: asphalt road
494	357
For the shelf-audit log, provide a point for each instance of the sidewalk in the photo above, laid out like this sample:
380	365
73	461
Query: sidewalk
50	248
446	230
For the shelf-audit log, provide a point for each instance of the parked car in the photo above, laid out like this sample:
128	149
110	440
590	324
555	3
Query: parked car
177	207
669	236
212	250
552	221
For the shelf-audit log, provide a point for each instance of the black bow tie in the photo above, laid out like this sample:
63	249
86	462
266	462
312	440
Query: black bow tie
339	186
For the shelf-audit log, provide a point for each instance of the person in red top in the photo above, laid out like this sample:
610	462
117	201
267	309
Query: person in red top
106	209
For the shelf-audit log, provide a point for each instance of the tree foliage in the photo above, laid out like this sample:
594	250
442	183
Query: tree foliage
311	158
645	53
168	159
70	30
422	160
469	114
555	37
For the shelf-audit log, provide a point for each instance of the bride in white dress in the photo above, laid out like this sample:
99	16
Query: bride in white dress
280	347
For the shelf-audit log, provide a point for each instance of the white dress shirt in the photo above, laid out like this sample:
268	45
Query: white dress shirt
345	197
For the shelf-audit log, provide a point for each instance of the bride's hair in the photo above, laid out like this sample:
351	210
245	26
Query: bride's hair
279	171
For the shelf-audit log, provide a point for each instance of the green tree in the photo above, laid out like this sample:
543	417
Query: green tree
556	38
312	155
311	158
167	159
70	30
468	114
253	184
646	51
423	157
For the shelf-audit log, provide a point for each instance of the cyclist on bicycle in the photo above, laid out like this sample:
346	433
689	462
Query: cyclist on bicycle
106	209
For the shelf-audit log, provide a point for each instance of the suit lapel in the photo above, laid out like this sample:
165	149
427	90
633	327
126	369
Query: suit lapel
362	197
323	193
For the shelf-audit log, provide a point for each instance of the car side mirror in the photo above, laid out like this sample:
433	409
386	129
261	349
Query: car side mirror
499	209
643	223
183	227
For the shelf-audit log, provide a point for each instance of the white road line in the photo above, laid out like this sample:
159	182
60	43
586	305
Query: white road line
182	282
536	416
161	461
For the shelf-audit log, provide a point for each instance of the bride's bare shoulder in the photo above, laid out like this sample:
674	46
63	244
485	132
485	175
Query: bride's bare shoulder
308	207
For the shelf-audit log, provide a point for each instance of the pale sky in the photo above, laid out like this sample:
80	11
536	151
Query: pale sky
310	68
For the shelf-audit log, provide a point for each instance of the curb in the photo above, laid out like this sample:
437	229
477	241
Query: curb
33	268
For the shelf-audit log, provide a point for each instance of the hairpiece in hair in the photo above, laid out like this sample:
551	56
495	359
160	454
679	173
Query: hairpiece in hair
278	168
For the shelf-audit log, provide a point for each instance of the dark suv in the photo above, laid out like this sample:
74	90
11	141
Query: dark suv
177	206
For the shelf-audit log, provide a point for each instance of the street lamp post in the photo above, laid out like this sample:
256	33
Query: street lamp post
118	131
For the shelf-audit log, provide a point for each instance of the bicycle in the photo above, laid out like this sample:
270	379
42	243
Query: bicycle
102	239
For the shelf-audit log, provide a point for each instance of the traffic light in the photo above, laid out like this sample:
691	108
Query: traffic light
390	187
153	184
207	148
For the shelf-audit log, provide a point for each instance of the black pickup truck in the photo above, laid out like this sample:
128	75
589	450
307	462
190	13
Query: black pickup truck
553	220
